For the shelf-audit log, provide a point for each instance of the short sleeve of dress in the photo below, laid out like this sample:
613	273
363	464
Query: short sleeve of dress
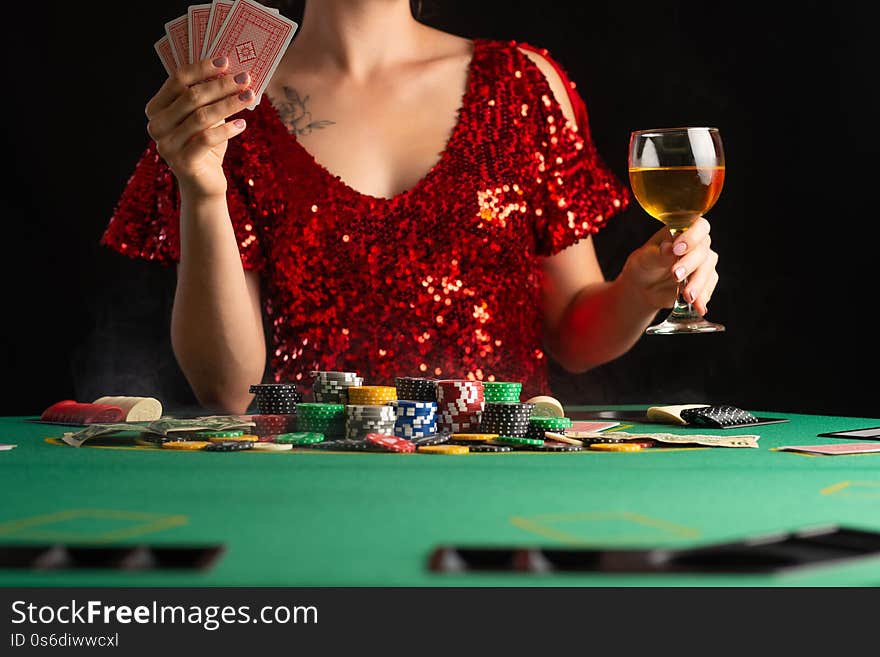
146	221
576	192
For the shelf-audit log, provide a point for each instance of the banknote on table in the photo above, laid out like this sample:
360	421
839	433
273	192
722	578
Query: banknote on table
748	440
254	38
160	428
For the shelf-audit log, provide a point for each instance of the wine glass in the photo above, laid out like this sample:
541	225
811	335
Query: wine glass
676	175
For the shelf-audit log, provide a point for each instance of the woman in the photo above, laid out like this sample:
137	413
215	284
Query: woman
415	205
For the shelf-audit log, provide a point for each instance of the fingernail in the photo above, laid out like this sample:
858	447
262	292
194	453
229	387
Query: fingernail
220	62
246	95
680	248
679	273
239	123
241	78
691	297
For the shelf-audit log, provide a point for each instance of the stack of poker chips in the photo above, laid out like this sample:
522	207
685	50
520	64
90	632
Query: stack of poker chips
506	418
371	395
416	389
501	391
361	419
415	419
276	398
332	387
538	425
327	419
459	405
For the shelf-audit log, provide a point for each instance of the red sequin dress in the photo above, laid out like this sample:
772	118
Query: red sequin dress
442	280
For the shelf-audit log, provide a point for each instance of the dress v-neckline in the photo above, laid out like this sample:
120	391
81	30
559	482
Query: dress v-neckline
442	158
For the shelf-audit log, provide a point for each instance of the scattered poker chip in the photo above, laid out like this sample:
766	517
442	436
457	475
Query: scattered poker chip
430	440
299	438
229	446
330	445
488	449
546	406
272	447
562	438
644	443
72	412
186	445
474	437
589	437
518	441
554	446
615	447
391	443
443	449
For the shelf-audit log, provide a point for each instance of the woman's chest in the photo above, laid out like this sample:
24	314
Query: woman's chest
381	138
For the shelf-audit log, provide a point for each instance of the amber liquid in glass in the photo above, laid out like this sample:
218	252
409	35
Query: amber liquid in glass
677	196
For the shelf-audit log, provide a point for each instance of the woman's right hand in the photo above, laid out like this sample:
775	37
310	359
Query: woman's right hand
187	120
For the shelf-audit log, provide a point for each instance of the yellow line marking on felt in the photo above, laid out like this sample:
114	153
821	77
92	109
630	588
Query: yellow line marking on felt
834	488
536	525
153	522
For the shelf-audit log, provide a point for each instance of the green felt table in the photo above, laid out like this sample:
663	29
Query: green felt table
328	519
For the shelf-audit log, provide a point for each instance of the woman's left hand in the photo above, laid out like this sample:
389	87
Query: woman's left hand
655	269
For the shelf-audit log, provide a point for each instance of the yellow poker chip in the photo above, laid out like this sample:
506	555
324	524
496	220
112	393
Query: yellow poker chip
616	447
474	437
546	406
186	445
444	449
234	439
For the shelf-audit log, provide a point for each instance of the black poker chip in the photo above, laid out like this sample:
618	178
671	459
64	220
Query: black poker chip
434	439
488	449
416	389
229	446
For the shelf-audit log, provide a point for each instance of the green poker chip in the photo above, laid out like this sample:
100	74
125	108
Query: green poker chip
550	423
516	440
299	438
205	435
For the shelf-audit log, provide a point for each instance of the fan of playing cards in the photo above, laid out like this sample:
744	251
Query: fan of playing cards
254	38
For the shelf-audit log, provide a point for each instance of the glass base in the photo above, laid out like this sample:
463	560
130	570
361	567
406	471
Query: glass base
681	325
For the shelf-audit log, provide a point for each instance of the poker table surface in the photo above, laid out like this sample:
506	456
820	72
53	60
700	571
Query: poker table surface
367	519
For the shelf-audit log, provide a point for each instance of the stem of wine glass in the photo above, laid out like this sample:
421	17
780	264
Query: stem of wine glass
683	309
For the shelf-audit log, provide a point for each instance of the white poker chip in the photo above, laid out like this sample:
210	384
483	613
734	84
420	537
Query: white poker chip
136	409
271	447
546	406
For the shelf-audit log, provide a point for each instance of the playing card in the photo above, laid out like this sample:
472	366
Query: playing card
592	426
219	12
197	27
254	39
177	32
166	56
835	449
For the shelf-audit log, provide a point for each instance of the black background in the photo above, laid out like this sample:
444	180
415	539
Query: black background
790	87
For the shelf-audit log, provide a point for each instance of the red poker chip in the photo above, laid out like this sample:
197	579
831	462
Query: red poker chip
390	442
